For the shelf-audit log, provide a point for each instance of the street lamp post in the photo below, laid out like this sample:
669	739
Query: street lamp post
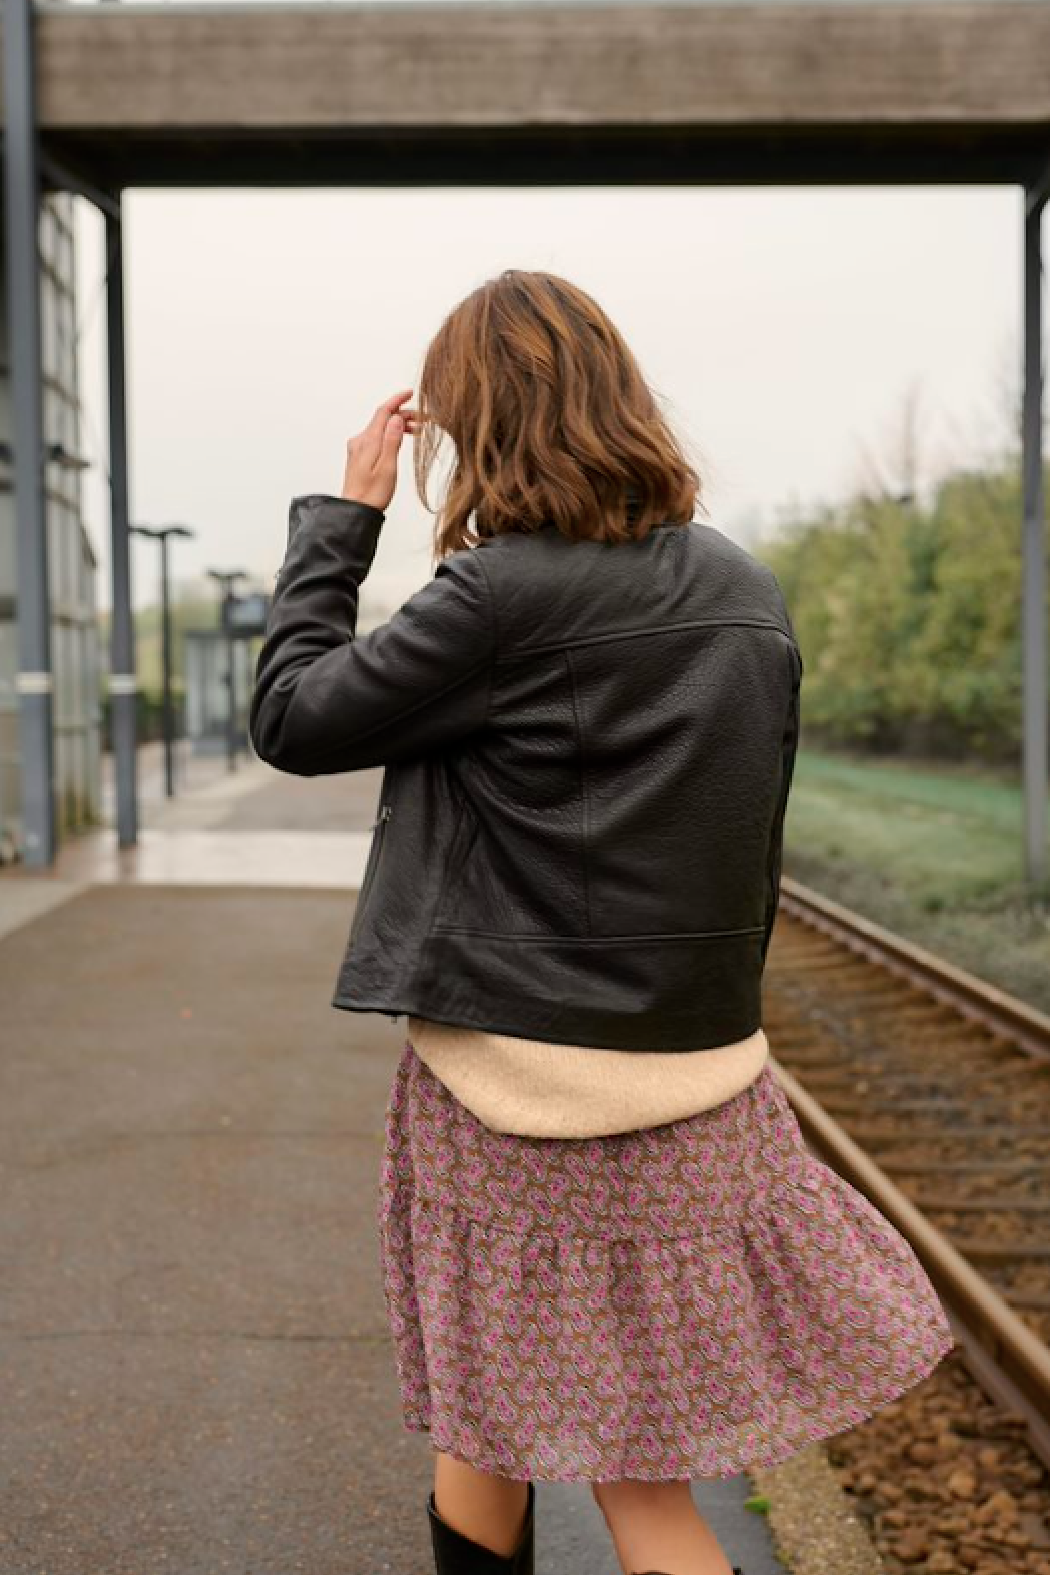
161	534
226	579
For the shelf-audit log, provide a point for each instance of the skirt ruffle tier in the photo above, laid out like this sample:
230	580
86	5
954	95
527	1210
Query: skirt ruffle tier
677	1302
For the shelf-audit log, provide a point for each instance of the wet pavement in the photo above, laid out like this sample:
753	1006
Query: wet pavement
195	1362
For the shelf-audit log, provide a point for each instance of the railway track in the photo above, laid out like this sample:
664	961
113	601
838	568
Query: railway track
929	1091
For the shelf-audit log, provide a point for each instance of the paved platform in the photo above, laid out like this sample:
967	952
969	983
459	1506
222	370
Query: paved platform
249	826
195	1362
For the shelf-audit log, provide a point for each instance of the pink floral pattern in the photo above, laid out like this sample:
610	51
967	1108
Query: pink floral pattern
677	1302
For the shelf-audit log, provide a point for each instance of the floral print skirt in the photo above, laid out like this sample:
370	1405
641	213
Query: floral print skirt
676	1302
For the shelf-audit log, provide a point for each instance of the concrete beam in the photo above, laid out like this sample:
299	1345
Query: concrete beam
149	67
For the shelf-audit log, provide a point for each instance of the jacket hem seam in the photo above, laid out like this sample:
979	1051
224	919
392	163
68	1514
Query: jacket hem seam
343	1002
516	937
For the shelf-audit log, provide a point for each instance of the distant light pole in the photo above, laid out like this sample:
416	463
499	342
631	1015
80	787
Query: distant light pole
161	534
226	580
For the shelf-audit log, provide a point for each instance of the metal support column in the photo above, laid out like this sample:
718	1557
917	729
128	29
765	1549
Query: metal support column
21	238
166	674
1033	546
123	684
231	681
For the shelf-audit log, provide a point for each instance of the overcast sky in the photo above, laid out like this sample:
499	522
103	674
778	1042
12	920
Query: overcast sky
783	329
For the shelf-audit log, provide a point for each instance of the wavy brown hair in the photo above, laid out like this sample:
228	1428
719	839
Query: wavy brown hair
550	419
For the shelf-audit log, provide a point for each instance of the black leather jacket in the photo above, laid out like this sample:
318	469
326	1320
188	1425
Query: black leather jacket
588	752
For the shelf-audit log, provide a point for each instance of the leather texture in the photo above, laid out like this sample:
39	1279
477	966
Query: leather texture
457	1554
588	751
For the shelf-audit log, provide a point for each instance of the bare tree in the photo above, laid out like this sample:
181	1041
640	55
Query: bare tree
897	473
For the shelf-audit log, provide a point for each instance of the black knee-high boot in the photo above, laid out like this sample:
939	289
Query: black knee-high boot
456	1554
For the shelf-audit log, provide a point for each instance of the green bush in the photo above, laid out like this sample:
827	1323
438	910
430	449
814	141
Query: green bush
908	619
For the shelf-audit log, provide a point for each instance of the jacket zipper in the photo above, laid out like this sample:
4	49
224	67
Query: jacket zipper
384	814
378	826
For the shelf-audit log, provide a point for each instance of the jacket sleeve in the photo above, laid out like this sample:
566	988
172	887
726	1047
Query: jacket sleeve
326	700
788	751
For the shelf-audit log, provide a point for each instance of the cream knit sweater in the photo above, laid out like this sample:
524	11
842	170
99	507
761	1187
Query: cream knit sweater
537	1089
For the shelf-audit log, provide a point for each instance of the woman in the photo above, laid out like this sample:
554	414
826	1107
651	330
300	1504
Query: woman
607	1254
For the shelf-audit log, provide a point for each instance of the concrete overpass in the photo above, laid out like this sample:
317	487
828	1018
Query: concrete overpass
99	97
520	93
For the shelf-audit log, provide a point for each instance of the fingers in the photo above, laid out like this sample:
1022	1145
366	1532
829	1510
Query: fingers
385	410
373	435
371	456
391	441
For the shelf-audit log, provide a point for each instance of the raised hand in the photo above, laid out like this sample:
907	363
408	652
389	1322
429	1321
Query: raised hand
371	456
